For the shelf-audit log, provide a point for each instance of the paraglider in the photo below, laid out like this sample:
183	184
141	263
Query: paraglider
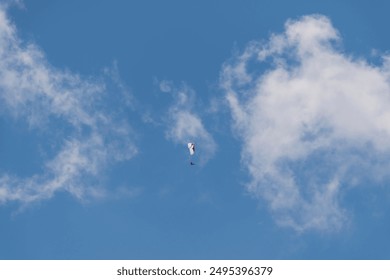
191	148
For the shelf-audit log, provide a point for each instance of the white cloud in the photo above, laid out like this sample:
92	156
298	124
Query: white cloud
184	125
55	102
166	86
313	123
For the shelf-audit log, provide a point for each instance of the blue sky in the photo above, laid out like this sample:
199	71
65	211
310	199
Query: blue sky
287	101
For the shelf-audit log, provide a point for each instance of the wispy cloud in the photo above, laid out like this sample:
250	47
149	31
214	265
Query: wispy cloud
313	121
185	125
55	102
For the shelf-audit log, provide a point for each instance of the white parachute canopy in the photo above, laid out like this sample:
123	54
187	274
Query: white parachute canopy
191	148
